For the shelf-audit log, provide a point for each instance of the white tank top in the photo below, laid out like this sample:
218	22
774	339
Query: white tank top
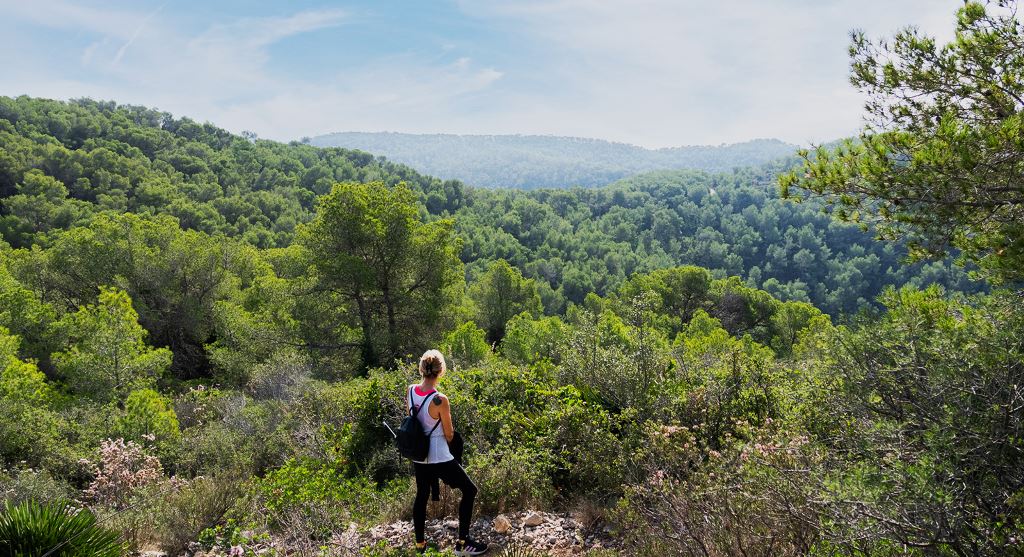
439	451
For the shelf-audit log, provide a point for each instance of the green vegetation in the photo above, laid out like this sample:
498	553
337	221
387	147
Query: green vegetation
201	335
572	242
941	165
34	530
535	161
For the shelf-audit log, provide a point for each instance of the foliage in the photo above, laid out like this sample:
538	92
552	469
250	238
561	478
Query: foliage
465	346
119	158
106	356
940	162
395	274
752	498
929	454
30	428
34	529
318	498
181	511
197	178
577	241
512	478
148	416
500	294
20	485
528	340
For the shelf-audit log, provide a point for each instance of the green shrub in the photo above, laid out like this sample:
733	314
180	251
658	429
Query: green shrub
311	499
465	346
512	479
754	498
589	458
528	340
59	530
18	486
149	417
182	512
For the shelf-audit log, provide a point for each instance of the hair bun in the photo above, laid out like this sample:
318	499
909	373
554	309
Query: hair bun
431	364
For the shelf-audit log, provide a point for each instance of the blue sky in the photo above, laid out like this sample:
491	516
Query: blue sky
651	72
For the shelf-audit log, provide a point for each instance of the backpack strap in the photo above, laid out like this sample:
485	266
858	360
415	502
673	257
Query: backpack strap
424	403
420	407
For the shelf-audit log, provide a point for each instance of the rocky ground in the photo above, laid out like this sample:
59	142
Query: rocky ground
556	534
545	534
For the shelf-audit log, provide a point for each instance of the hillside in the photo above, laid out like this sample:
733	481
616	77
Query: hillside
208	341
532	161
205	334
67	162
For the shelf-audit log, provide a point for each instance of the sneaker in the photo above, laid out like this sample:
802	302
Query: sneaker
421	547
470	546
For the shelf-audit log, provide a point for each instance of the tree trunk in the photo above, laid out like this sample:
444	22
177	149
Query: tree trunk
369	353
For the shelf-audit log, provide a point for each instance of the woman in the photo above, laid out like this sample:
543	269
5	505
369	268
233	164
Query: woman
436	419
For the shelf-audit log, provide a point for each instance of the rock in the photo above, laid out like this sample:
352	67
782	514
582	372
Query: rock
452	524
533	519
502	524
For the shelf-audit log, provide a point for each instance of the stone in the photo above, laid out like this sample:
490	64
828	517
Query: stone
452	524
502	524
533	519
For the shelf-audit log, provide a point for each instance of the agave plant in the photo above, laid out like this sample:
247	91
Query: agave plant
55	530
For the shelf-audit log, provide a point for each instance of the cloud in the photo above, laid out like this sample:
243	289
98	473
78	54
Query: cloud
68	15
221	73
666	72
651	72
261	32
397	95
134	37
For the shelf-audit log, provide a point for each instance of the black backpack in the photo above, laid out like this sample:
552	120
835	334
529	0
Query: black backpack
412	442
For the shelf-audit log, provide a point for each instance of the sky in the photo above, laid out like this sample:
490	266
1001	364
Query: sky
655	73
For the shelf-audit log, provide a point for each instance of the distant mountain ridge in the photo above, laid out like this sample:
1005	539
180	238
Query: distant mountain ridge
542	161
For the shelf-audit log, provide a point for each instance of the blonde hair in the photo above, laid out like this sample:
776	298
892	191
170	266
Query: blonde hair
432	364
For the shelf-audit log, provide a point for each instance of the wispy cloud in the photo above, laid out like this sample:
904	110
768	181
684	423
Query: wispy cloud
651	72
666	72
261	32
135	35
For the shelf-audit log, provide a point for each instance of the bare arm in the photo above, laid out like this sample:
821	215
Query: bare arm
441	409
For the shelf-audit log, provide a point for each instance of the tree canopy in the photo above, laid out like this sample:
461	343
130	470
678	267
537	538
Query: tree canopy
942	162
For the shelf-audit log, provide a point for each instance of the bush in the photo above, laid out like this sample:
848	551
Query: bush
283	377
19	486
32	529
466	346
512	479
148	416
184	510
308	499
589	458
123	468
528	340
757	498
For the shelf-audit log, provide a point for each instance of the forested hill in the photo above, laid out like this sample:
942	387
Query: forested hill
532	161
61	164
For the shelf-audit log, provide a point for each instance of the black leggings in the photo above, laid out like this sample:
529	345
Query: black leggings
455	476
